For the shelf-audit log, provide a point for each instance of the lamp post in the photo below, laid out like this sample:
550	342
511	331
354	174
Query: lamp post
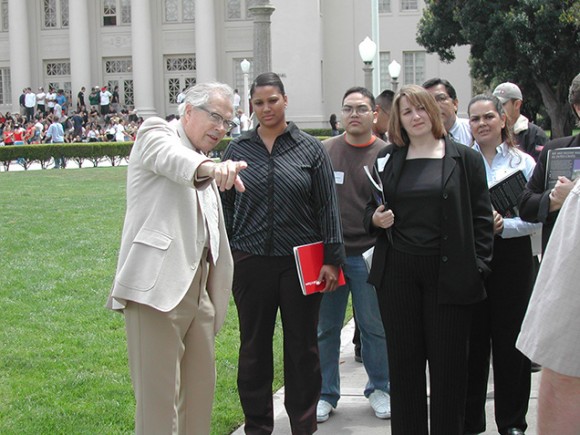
394	71
367	50
245	65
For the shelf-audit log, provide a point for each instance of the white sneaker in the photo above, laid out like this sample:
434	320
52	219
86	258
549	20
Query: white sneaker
381	404
323	410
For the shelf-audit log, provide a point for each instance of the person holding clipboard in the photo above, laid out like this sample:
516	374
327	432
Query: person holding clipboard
432	273
497	319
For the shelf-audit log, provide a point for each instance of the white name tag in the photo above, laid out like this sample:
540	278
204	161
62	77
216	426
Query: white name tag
339	177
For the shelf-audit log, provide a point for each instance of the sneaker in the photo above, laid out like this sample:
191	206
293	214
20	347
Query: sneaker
323	410
381	404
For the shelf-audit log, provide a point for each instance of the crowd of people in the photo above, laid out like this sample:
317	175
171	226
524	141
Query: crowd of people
103	119
439	278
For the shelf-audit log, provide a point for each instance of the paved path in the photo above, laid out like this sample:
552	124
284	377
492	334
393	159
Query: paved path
354	414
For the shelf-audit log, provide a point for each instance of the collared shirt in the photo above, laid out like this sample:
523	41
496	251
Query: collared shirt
290	198
461	132
30	100
507	161
55	132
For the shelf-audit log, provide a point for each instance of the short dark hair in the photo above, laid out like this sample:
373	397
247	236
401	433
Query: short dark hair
267	79
439	81
360	90
385	99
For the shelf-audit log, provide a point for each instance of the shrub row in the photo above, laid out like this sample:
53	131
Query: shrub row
96	152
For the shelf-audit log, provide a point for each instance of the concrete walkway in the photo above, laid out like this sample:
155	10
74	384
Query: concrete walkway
354	414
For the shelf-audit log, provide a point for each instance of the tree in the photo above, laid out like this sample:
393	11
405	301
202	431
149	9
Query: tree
534	43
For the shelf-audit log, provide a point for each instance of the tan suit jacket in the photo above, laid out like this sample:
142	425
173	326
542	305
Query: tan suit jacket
164	231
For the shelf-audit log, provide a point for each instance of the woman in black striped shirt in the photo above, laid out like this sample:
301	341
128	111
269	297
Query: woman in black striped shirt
290	200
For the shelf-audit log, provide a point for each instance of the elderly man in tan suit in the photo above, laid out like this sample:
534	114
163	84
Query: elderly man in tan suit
175	269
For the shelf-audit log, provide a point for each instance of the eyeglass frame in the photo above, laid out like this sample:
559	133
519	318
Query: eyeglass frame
218	119
348	110
442	98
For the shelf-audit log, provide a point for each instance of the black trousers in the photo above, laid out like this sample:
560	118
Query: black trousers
496	325
261	286
420	330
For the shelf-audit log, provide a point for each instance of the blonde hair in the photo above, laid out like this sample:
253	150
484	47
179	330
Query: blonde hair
418	97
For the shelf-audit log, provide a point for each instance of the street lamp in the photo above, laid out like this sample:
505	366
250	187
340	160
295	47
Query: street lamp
394	71
245	65
367	50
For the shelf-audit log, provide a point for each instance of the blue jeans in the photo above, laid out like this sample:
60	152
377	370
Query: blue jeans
368	316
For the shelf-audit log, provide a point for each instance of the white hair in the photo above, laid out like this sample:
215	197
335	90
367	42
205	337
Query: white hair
199	94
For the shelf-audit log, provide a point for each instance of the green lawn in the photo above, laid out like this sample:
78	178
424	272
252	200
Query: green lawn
63	364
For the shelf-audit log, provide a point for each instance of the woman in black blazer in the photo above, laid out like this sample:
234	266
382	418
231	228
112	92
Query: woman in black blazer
439	219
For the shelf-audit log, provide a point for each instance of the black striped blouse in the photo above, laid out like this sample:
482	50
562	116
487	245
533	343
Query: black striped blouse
290	198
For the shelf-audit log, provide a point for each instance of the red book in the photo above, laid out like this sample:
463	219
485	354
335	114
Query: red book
309	261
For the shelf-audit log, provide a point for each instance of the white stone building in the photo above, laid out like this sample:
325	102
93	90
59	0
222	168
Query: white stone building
152	49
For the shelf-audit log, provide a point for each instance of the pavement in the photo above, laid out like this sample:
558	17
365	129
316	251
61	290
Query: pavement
354	415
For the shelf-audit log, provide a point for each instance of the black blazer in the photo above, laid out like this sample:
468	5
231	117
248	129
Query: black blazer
535	200
466	223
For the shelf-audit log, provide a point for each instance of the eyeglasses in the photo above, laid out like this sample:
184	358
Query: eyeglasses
217	119
360	110
441	98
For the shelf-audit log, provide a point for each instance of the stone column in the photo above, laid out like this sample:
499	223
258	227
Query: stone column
205	41
19	36
80	50
142	58
262	11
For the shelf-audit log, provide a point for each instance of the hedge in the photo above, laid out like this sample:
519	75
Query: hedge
96	152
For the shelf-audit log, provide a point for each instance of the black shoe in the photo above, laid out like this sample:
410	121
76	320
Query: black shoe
513	431
536	367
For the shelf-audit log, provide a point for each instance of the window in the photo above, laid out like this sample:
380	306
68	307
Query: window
116	11
384	6
118	66
239	9
409	5
57	69
57	75
180	73
179	11
173	64
4	16
414	67
119	72
385	79
5	91
233	10
55	14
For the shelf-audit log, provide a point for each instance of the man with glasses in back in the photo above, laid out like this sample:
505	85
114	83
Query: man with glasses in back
446	97
175	269
349	153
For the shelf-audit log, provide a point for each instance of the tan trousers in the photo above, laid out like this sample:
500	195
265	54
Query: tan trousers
172	362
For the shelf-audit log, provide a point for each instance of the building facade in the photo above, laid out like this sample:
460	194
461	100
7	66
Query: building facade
151	49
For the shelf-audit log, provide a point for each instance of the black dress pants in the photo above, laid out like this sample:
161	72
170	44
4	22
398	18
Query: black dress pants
496	325
261	286
420	330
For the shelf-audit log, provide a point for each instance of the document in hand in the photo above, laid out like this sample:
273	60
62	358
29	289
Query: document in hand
309	261
378	193
562	162
505	194
376	185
